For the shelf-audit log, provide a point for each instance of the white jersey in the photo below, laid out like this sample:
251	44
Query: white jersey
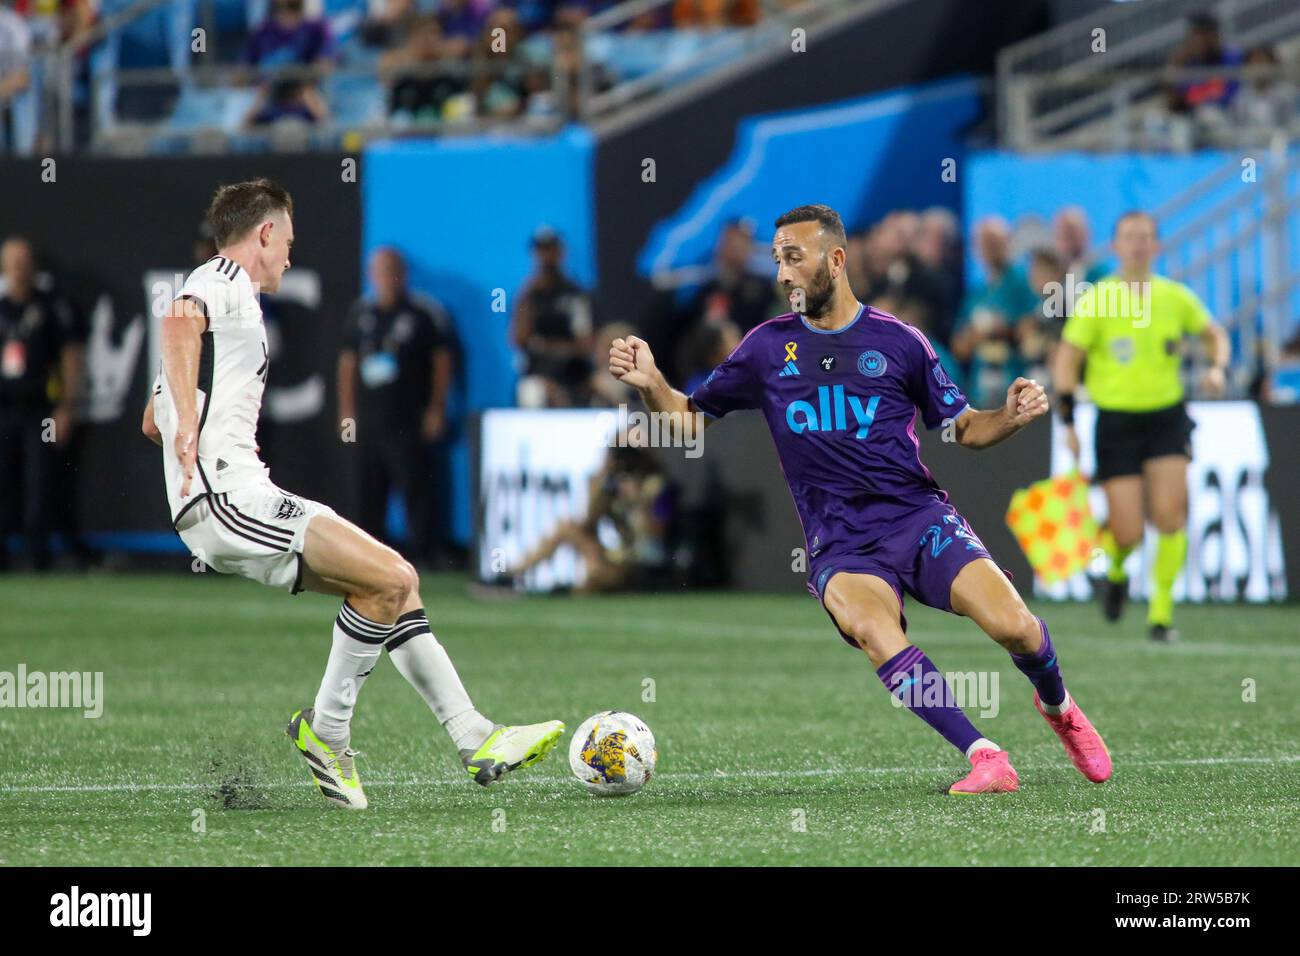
232	375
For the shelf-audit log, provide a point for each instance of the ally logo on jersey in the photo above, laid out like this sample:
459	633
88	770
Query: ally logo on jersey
832	411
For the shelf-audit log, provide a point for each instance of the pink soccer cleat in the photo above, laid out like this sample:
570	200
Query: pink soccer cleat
991	772
1083	745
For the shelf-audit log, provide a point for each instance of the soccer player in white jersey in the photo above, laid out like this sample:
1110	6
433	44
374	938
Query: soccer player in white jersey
203	412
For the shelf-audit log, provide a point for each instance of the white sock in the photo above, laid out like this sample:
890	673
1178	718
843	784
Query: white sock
424	663
1057	709
982	744
469	730
358	642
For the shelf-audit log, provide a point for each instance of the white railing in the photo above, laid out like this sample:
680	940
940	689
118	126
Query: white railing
52	113
713	49
1128	110
1229	237
1051	83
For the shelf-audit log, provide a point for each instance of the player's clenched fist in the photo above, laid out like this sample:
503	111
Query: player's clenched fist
631	361
1026	400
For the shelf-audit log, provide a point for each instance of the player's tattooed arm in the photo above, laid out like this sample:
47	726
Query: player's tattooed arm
182	339
632	362
1026	400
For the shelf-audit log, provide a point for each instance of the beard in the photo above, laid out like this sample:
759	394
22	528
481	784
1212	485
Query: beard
817	297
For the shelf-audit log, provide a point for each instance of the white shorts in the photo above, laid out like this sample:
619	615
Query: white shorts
256	531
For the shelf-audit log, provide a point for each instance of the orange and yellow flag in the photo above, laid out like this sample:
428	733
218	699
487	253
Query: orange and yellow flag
1054	525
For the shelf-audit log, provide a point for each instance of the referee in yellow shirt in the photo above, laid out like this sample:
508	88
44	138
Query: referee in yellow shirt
1129	328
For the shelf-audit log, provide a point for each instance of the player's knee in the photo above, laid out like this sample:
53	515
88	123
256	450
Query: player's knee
413	576
1169	520
1016	629
1127	537
880	643
397	583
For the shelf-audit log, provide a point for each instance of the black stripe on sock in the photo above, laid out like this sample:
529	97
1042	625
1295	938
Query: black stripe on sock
361	621
409	625
360	628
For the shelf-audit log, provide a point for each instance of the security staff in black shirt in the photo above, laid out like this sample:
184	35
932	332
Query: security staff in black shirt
552	327
40	374
394	377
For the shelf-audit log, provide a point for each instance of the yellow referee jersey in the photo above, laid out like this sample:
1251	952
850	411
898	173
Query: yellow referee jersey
1131	333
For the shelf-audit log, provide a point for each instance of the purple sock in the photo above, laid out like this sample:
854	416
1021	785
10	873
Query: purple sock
1042	670
912	678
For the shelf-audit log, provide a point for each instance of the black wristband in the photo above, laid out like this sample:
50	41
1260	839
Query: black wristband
1065	404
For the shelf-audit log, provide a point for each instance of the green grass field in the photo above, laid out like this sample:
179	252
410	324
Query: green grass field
777	743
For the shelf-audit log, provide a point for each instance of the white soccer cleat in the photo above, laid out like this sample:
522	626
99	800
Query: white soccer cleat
335	774
510	748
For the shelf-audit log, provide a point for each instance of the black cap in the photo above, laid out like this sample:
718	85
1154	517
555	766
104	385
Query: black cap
545	236
743	223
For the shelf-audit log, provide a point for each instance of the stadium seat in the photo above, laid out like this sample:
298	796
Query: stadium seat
157	39
354	99
223	107
632	55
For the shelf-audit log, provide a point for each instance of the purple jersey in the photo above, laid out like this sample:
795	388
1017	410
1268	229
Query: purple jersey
841	407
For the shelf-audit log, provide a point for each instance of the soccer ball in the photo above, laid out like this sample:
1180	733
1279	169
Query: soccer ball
613	753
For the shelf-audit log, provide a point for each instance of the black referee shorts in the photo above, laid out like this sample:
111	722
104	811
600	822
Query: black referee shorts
1124	440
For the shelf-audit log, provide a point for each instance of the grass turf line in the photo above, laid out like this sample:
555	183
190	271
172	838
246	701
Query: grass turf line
777	743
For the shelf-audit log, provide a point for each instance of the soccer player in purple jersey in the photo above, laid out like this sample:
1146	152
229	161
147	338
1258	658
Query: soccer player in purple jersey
840	385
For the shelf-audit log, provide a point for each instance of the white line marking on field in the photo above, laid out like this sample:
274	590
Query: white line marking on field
701	775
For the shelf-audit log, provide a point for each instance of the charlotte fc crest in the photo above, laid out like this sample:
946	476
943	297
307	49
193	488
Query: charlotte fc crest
872	364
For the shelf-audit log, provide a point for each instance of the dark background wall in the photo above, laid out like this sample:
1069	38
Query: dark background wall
103	224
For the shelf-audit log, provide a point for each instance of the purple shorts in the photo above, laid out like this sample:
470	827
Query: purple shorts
922	557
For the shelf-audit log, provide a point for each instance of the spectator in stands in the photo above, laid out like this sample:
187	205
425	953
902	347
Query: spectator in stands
1203	46
984	339
503	75
1070	232
462	24
1039	331
15	63
937	245
732	292
419	90
55	22
288	100
564	96
394	377
387	22
893	271
553	328
715	13
705	348
289	37
41	350
1266	101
